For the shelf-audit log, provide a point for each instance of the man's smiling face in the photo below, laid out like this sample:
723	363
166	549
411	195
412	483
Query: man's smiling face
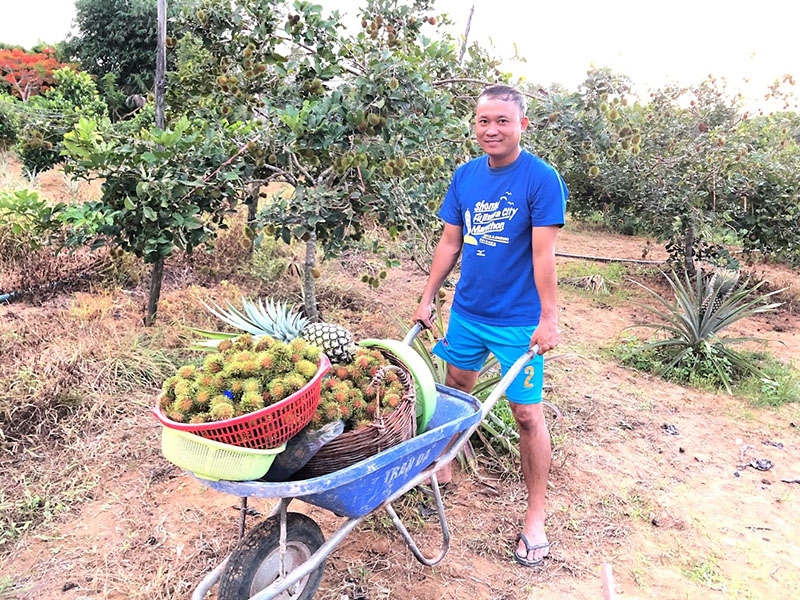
498	127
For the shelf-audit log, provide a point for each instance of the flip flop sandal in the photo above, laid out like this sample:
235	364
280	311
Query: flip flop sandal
523	560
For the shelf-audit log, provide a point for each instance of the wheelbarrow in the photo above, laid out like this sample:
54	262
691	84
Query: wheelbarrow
284	555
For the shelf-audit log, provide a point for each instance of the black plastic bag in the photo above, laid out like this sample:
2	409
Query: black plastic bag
300	449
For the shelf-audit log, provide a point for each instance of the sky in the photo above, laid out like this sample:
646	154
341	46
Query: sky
654	43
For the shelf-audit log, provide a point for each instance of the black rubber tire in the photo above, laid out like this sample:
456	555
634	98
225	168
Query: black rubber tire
259	551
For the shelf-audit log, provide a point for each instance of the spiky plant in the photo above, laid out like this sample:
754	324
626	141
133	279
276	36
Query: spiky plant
700	312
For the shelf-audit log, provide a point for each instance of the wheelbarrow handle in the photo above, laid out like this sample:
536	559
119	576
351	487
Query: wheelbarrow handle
503	384
413	333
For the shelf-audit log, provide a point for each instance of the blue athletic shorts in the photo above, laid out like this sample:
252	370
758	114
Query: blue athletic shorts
468	344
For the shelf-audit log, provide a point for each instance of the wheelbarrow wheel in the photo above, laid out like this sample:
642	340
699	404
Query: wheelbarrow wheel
255	564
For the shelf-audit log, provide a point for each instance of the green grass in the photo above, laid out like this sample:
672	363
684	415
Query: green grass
780	384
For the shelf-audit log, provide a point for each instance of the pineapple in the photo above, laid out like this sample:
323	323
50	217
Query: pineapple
283	322
335	341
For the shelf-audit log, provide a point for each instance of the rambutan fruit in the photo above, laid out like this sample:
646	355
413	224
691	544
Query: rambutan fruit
332	411
294	381
363	362
199	418
169	383
205	380
340	397
250	368
225	346
203	397
182	388
298	346
187	371
251	385
236	386
341	372
263	343
345	411
312	354
306	368
243	356
177	416
183	404
164	401
329	383
391	400
243	342
371	409
265	361
277	389
251	402
213	363
221	411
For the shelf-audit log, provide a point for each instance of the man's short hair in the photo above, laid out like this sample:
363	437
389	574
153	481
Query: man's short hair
508	94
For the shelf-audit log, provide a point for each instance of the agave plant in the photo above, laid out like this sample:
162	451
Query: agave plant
702	309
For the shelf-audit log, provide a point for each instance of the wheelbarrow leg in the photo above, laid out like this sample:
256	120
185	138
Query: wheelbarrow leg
430	562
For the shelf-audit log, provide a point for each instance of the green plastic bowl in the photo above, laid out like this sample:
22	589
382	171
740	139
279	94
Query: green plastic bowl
423	379
213	460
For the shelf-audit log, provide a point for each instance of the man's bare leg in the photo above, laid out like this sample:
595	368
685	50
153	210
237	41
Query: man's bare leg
464	381
535	451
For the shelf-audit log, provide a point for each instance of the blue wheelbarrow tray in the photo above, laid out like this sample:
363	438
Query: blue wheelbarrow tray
361	488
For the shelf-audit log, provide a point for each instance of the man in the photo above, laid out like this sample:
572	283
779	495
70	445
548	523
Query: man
503	210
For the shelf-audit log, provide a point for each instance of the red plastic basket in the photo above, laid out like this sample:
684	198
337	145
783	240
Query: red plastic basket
266	428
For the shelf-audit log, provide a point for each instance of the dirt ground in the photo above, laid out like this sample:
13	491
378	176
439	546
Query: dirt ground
676	511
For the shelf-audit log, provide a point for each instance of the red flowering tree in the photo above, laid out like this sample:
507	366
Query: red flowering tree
28	73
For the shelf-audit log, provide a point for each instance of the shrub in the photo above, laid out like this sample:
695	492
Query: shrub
49	116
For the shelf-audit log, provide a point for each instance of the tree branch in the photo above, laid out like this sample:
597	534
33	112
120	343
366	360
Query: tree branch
484	83
466	35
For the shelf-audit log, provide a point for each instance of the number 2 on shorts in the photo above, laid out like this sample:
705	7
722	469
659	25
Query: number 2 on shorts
529	371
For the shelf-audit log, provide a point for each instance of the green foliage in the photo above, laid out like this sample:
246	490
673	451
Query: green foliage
29	218
48	116
357	123
119	37
158	192
689	166
10	109
774	384
692	326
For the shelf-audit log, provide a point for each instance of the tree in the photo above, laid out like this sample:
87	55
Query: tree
362	126
117	36
677	167
28	73
162	190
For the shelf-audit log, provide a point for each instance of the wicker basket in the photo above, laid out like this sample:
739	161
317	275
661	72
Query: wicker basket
385	432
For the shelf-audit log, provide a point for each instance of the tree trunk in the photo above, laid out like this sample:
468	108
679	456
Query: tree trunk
309	288
155	291
160	90
688	251
252	211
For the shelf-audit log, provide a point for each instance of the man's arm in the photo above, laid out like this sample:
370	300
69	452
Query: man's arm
546	334
444	259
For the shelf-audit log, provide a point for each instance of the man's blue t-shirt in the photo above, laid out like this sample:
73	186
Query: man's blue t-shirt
497	208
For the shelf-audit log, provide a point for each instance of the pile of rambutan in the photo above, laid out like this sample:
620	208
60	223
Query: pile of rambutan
359	392
239	378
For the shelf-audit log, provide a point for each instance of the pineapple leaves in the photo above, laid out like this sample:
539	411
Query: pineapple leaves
701	310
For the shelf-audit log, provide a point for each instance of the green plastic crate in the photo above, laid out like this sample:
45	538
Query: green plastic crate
214	460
